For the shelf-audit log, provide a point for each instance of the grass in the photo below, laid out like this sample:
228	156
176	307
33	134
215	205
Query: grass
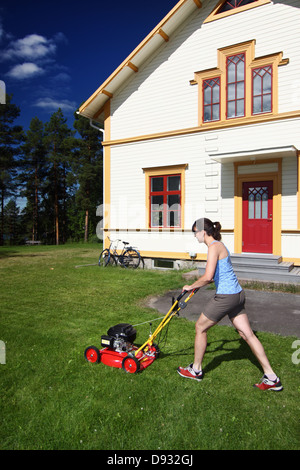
51	398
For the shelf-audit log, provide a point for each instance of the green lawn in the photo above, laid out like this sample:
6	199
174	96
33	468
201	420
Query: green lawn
51	398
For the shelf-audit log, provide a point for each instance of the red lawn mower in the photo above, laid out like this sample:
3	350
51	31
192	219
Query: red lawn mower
118	349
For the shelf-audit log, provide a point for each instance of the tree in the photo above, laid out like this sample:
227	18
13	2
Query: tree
59	143
32	174
12	223
88	168
10	138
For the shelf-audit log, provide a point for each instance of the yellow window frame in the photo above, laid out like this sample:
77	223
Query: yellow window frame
248	48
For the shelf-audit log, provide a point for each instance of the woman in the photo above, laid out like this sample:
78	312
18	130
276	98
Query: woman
228	300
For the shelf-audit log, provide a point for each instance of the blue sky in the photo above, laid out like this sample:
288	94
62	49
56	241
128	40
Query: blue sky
57	53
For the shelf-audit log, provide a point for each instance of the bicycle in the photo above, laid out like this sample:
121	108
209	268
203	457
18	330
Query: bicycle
129	257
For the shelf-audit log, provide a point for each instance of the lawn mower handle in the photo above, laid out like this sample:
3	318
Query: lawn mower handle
183	293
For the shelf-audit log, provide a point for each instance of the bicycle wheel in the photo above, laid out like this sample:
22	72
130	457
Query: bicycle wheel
104	258
131	259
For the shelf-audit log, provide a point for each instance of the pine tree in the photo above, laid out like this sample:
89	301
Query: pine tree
12	222
88	168
59	144
32	174
10	138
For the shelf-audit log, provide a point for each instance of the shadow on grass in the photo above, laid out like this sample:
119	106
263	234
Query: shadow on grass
4	254
228	354
8	253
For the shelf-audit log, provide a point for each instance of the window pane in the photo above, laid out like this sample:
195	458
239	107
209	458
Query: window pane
156	202
231	92
207	113
240	108
258	206
216	93
231	72
240	70
232	4
207	95
267	83
264	214
257	104
156	219
240	90
216	112
231	109
257	85
174	202
173	183
157	184
251	205
173	218
267	103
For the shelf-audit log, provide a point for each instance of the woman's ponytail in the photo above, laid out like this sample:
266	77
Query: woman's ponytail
211	228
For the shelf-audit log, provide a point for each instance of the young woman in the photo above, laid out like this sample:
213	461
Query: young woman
228	300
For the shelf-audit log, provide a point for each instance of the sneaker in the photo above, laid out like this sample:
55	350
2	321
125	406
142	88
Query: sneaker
267	384
189	373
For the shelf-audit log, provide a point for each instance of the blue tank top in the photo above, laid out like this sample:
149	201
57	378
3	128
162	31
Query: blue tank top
225	279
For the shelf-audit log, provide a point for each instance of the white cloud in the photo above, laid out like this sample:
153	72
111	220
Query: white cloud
25	70
62	77
52	105
31	47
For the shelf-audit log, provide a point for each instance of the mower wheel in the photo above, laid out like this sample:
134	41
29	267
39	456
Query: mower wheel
130	364
92	354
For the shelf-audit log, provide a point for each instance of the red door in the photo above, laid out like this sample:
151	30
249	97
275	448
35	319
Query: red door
257	217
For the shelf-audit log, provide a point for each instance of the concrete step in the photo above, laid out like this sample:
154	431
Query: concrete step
265	258
267	268
280	267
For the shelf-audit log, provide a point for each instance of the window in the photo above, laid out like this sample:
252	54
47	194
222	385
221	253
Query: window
211	99
230	7
165	201
258	203
262	90
241	87
231	4
235	86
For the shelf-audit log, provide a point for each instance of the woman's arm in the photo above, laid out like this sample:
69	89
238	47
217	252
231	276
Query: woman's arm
208	276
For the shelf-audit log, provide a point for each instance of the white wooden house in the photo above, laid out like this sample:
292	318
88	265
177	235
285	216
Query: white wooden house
203	120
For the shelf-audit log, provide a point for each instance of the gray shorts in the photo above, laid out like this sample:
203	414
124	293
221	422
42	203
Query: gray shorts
225	304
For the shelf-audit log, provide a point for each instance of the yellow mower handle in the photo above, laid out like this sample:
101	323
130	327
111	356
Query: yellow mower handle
168	317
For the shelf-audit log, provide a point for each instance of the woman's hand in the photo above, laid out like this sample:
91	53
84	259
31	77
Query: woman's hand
187	288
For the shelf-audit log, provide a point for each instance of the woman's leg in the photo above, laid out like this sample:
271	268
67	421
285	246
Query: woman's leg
202	325
242	325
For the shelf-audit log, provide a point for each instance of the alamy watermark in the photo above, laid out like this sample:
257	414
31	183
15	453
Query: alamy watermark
296	354
2	92
2	352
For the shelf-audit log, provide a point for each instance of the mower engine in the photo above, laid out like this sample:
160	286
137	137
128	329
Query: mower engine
118	350
120	337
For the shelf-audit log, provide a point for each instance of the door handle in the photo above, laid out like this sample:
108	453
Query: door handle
271	217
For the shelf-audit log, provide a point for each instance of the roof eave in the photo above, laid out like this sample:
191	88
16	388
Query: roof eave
93	107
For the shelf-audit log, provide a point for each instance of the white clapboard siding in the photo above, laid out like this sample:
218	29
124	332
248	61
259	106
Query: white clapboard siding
159	97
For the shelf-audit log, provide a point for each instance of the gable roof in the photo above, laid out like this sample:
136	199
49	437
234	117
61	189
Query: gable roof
93	106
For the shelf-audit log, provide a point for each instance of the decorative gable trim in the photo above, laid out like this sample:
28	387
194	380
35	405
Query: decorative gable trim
214	15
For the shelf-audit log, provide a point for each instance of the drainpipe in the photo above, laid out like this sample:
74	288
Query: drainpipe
100	130
97	128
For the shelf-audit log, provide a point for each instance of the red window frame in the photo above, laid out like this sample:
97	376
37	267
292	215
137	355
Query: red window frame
232	4
232	60
266	69
164	213
206	83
